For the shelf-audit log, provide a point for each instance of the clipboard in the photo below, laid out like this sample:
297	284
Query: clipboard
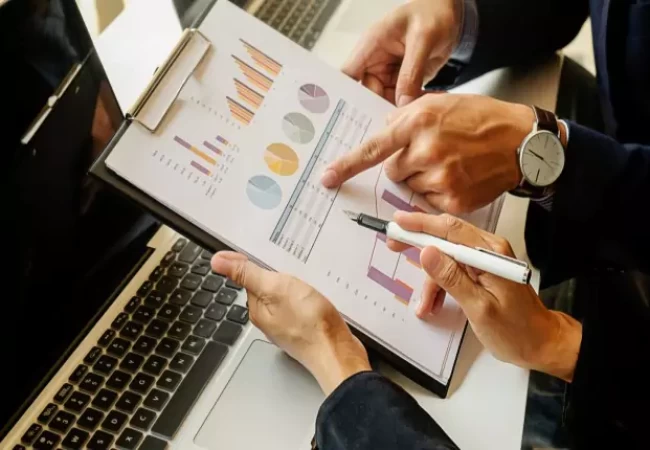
149	111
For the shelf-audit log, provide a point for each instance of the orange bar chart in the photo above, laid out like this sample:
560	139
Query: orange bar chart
248	95
240	112
263	60
254	76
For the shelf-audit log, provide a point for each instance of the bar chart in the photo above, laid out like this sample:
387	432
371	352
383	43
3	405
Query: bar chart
262	60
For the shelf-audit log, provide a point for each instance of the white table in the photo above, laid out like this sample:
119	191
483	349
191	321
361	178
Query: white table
486	405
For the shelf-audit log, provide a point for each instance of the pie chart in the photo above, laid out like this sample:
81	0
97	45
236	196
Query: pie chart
314	98
281	159
298	128
263	192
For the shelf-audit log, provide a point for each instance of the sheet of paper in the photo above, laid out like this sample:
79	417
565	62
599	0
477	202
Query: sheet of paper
241	154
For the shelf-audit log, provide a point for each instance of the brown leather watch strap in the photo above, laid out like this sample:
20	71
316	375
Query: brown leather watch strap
546	120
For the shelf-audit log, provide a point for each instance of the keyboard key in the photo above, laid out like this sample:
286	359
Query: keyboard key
154	365
90	419
78	374
227	333
105	364
46	441
201	267
101	440
118	380
191	314
178	269
77	402
156	400
106	338
47	413
207	254
131	330
226	296
179	245
190	253
31	433
132	305
104	399
91	382
132	362
205	328
180	330
189	390
142	383
212	283
62	421
157	273
168	259
191	282
63	393
129	439
144	345
118	347
194	344
180	297
215	311
114	421
92	355
128	402
167	347
169	380
144	314
142	419
145	288
153	443
202	299
19	447
75	439
169	312
119	321
181	362
155	300
157	328
238	314
167	284
232	285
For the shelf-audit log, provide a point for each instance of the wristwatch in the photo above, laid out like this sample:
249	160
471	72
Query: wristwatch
541	157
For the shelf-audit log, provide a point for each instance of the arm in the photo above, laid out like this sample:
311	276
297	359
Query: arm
368	411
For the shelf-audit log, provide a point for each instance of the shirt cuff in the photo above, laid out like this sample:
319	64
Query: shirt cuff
469	31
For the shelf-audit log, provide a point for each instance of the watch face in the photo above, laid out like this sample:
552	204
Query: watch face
542	158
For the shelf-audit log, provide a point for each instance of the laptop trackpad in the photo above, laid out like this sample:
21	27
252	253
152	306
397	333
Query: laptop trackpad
271	402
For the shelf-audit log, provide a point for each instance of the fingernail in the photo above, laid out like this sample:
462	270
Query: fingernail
330	179
221	265
404	100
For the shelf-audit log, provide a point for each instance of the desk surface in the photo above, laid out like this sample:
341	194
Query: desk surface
486	405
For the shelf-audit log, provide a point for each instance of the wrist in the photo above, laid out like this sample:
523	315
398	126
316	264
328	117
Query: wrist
336	360
559	356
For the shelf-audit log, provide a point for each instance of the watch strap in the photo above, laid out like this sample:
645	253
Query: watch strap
546	120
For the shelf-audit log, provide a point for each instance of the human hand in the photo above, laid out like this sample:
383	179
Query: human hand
405	49
298	319
507	317
459	151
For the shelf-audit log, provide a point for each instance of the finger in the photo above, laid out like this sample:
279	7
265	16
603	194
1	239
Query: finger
411	74
443	226
396	246
422	182
357	62
242	271
374	84
429	291
439	301
403	164
451	277
372	152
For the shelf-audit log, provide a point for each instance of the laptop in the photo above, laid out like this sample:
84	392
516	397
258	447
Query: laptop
118	333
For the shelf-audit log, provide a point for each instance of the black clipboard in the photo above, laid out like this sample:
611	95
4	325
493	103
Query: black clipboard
176	222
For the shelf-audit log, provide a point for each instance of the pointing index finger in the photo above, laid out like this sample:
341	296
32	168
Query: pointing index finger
373	151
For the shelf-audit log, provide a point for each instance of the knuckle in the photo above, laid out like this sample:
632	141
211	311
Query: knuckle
485	310
239	274
456	205
501	245
452	223
451	275
371	151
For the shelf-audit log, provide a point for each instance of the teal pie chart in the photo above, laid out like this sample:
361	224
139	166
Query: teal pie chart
264	192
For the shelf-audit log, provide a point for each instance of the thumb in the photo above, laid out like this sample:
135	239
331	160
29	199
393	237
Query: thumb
450	276
242	271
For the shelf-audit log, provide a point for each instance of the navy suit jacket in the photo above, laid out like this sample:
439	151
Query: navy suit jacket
598	229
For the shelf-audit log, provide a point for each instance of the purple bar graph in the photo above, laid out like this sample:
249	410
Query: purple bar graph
398	288
200	168
212	147
222	140
398	203
412	253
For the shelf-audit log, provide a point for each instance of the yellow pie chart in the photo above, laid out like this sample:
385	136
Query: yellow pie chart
281	159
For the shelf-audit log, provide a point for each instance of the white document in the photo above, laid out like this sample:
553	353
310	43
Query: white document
241	154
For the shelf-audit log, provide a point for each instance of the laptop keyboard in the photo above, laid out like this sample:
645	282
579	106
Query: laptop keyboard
147	370
302	21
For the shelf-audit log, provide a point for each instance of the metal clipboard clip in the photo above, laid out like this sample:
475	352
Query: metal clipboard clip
156	100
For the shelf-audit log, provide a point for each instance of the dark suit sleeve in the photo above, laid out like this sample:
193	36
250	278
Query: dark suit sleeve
515	32
370	412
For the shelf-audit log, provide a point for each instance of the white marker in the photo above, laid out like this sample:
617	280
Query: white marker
479	258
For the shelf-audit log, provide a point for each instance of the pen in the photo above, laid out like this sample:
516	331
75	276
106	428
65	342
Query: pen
479	258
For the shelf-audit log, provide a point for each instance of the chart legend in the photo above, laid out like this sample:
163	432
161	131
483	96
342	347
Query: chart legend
263	60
